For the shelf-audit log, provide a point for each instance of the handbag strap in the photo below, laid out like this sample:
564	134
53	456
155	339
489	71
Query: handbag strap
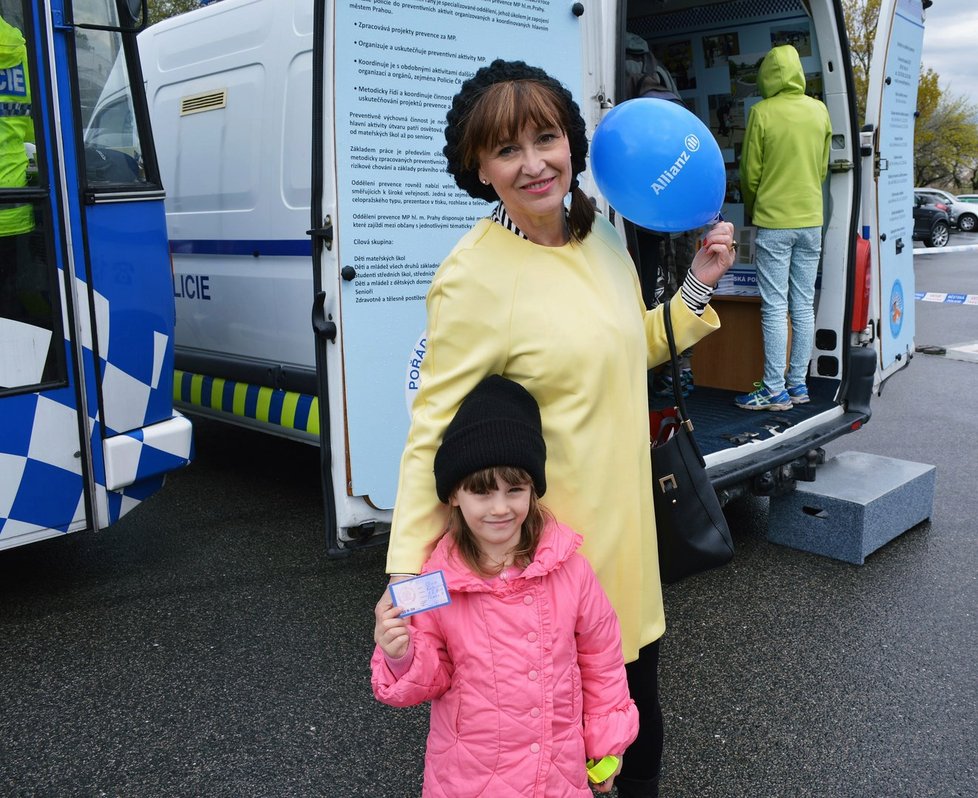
674	364
682	414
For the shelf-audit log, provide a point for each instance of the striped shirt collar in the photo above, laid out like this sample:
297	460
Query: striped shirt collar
500	216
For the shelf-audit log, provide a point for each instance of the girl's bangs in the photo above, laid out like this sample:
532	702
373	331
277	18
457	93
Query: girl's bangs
485	480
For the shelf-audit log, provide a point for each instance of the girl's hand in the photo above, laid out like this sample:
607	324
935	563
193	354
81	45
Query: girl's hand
391	632
608	783
716	255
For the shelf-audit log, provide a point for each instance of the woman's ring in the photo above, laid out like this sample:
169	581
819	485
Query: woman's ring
733	246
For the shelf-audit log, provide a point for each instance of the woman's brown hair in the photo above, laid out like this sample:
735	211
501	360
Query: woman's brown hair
499	100
536	519
501	112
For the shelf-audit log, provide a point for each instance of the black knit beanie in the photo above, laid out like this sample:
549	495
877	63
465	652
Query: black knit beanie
497	425
500	71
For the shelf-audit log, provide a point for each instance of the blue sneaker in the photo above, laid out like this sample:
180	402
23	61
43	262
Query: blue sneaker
798	394
762	399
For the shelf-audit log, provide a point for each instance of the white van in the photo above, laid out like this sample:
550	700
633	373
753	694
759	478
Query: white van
308	206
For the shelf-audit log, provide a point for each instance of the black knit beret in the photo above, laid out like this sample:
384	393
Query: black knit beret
500	71
497	425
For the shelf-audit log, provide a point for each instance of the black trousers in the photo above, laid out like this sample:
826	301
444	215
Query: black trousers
644	757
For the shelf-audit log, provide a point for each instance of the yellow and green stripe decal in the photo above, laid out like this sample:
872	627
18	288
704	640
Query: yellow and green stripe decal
286	409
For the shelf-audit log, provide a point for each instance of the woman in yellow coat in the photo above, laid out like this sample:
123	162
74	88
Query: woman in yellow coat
549	297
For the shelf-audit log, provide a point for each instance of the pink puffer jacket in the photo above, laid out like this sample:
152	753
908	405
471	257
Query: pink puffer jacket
526	677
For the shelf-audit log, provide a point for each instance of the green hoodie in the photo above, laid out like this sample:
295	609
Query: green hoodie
785	155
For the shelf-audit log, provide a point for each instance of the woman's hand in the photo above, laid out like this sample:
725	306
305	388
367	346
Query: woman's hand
716	255
608	783
391	631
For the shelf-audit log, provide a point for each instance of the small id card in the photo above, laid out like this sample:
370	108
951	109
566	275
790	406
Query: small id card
420	593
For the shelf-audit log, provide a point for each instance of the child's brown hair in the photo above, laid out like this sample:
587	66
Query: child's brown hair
536	519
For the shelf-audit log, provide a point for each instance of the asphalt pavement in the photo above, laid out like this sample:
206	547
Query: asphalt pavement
205	645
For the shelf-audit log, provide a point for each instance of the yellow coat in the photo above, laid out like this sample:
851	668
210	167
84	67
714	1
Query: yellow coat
568	323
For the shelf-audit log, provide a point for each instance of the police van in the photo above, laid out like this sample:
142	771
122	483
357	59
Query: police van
87	425
308	208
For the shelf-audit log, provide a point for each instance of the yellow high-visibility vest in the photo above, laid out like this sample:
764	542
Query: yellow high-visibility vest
16	127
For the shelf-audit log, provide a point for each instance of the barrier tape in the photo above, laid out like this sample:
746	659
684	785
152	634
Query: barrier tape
948	299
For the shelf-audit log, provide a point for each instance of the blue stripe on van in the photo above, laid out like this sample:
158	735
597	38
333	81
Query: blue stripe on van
251	248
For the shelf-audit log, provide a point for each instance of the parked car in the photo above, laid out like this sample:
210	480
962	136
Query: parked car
963	216
931	222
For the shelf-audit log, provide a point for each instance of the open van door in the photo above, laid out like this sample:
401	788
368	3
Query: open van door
87	427
888	153
387	82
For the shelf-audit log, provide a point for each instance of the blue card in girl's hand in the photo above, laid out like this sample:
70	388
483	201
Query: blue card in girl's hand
420	593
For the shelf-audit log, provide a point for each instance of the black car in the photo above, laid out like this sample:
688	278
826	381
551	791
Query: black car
931	222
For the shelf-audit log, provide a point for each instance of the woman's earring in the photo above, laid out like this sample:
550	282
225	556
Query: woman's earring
485	182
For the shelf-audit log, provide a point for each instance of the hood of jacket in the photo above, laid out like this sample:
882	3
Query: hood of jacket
781	72
557	544
12	44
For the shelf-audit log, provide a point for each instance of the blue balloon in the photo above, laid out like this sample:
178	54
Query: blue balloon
658	165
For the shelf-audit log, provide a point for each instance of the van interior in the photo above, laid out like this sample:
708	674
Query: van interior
712	50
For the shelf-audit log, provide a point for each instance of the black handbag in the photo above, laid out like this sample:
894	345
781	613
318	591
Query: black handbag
692	532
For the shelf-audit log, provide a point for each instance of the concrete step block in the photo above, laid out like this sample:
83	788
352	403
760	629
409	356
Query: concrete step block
857	503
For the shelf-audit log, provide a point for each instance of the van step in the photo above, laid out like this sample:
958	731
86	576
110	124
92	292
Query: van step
857	503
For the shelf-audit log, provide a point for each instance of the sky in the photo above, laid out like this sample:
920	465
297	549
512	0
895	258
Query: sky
951	46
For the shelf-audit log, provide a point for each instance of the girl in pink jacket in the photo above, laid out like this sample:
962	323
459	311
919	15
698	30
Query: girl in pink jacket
524	668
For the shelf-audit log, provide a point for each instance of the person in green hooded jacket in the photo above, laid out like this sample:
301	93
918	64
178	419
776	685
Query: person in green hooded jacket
784	161
16	129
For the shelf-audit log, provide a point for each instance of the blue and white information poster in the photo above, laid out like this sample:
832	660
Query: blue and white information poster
895	188
398	63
